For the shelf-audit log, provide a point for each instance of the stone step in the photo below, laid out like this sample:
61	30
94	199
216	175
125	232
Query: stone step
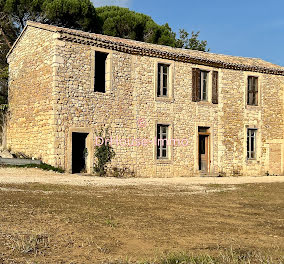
208	174
15	161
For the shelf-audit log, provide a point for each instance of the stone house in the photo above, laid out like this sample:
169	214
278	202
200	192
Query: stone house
209	113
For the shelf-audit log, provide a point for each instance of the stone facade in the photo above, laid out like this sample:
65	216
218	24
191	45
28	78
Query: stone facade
51	97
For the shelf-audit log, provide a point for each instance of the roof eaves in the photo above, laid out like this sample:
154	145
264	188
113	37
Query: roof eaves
136	48
123	46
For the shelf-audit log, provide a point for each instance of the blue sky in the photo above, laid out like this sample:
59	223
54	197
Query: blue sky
242	28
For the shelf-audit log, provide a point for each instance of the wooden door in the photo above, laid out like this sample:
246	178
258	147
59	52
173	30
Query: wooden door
203	152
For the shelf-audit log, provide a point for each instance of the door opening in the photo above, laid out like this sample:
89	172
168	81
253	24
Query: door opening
203	149
79	152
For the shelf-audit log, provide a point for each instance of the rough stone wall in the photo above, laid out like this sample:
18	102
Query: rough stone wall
78	106
132	97
30	119
183	115
52	95
236	116
272	124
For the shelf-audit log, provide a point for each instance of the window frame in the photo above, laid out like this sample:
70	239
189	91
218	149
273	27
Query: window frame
97	88
160	80
197	85
159	150
251	153
169	158
170	81
254	92
108	70
200	95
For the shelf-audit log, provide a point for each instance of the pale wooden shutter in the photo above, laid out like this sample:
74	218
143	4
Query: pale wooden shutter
215	87
195	84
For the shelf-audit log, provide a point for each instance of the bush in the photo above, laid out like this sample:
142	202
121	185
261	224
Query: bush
104	153
120	173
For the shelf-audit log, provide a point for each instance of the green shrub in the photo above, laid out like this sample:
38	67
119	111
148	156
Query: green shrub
104	153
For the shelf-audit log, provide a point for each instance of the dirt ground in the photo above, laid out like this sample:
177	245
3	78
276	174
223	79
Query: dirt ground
47	217
27	175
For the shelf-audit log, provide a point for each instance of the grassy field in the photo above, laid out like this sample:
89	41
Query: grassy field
42	223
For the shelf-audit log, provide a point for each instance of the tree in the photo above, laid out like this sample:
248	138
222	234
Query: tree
121	22
76	14
191	43
7	37
81	14
19	11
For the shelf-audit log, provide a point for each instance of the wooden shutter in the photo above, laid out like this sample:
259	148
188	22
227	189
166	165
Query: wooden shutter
215	87
249	91
256	91
195	84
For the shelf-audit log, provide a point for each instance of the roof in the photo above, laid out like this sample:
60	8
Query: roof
159	51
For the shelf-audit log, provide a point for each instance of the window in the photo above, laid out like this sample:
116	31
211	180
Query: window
100	72
252	90
251	143
201	87
163	80
203	92
162	138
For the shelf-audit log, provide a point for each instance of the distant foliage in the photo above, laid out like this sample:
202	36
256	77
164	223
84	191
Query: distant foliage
121	22
3	84
19	11
77	14
187	41
81	14
124	23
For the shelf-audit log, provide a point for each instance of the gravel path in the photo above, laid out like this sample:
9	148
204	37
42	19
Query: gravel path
27	175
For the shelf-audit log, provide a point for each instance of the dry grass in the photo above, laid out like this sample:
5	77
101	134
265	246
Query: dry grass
229	256
42	223
35	243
